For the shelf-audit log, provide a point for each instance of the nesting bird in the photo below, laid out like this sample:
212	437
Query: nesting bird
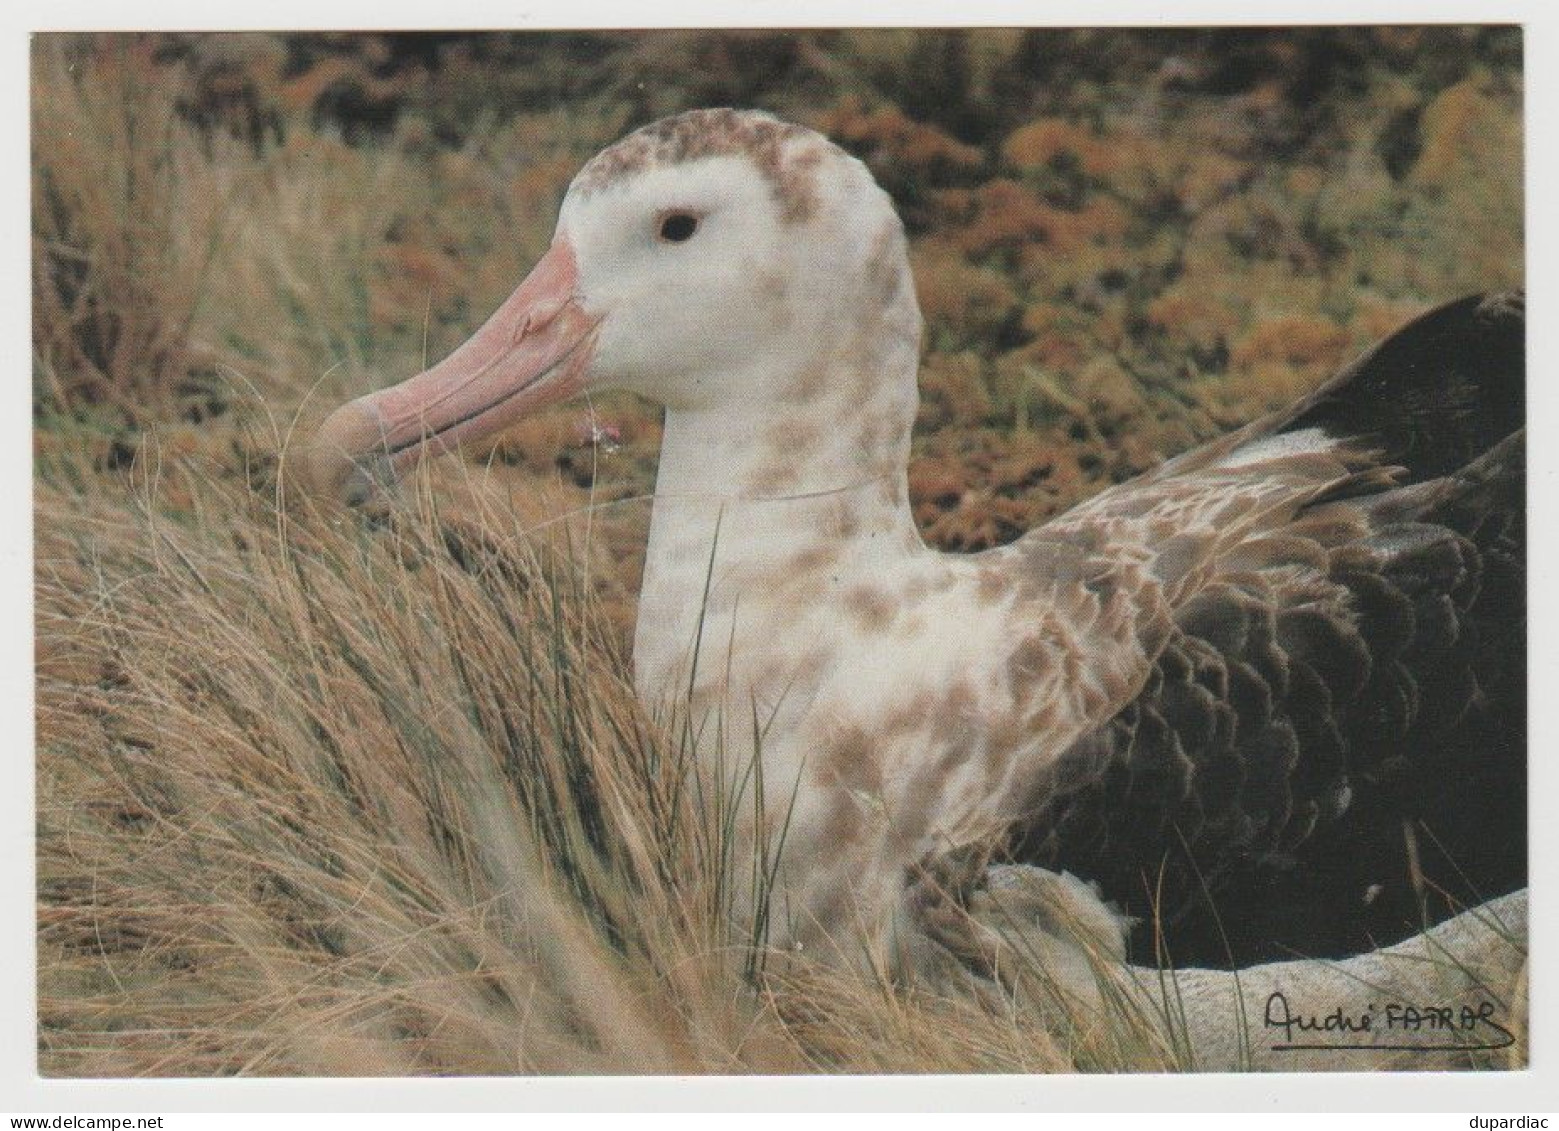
1269	698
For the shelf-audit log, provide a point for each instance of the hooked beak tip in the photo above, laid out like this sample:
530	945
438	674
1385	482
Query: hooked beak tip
534	350
346	461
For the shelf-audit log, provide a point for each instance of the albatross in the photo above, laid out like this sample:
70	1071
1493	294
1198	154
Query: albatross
1267	699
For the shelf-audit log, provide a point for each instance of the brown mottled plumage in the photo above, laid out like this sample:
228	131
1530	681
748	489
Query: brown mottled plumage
1329	747
699	134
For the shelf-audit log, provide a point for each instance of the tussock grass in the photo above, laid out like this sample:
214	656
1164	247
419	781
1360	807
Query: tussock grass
389	808
128	209
326	796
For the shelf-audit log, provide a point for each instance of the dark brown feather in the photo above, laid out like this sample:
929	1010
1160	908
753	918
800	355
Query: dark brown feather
1340	668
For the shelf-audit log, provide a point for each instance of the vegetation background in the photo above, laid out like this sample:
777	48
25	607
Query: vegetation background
320	796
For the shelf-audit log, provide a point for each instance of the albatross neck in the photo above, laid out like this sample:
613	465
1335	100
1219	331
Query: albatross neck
757	499
826	456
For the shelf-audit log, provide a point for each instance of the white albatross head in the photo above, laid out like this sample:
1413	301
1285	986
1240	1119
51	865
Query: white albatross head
714	259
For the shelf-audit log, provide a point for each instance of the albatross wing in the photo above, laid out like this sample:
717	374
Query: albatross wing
1328	751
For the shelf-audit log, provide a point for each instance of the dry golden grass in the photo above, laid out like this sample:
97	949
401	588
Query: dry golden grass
328	800
329	797
122	248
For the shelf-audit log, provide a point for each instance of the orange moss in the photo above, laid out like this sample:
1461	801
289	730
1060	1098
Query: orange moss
1057	349
986	486
957	296
952	392
1306	180
1044	140
1039	318
1292	340
301	93
415	281
1002	213
542	180
1190	314
887	133
1057	338
1208	175
1107	389
1448	128
1103	220
1268	385
1375	318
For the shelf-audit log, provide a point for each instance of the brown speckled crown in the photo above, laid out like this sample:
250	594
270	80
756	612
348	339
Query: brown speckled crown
697	134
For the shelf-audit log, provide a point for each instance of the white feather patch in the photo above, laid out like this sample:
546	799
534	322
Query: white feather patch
1278	447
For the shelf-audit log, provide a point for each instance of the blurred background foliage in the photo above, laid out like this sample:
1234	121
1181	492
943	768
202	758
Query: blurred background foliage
1126	241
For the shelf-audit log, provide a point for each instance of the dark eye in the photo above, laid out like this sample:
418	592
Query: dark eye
677	227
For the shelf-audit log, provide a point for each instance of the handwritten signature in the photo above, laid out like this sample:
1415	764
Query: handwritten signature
1388	1025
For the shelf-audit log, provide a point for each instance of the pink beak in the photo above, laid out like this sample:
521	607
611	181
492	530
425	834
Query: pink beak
533	351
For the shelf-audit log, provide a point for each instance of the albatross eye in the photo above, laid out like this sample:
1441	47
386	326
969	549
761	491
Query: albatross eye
678	227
